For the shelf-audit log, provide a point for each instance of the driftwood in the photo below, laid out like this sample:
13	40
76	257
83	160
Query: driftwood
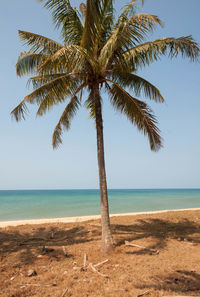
95	270
127	243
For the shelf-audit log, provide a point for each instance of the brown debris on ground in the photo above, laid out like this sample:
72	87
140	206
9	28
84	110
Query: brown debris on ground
65	258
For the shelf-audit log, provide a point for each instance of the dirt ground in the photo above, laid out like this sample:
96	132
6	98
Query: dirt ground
169	265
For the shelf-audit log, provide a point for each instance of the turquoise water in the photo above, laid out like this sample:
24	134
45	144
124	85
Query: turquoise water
31	204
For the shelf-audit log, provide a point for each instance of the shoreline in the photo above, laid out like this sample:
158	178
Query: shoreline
77	219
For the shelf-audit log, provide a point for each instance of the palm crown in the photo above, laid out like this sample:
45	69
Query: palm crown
97	52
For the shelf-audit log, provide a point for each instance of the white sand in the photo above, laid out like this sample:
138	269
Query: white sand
81	218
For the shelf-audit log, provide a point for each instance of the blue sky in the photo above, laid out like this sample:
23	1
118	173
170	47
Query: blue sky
27	160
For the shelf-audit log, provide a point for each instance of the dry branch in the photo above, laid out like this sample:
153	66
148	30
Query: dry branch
95	270
127	243
38	285
101	263
91	266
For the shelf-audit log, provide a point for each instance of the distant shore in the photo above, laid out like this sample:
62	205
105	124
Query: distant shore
81	218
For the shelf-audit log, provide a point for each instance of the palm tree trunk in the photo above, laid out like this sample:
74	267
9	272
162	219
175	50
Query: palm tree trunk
106	239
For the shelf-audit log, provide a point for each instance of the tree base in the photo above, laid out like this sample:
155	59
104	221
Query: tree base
107	248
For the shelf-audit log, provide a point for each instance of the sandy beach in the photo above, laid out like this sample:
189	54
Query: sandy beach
162	260
81	218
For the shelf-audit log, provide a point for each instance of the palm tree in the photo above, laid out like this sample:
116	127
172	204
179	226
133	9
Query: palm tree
98	51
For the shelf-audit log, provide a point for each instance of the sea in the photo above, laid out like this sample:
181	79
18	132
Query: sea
36	204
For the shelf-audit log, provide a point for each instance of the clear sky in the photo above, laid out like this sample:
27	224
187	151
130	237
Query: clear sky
27	160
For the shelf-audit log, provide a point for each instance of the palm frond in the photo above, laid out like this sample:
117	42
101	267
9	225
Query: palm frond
139	85
28	62
66	117
126	35
138	113
56	95
67	59
39	43
97	53
92	26
65	121
66	17
39	80
146	21
148	52
58	86
19	112
107	19
52	92
128	11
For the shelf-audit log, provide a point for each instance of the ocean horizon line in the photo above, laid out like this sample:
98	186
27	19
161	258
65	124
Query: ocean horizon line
97	189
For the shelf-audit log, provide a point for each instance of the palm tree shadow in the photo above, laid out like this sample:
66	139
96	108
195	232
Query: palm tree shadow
158	229
43	241
179	281
31	244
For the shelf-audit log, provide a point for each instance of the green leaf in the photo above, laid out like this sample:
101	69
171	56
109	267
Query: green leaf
28	62
149	52
39	43
66	117
128	34
138	113
67	18
139	85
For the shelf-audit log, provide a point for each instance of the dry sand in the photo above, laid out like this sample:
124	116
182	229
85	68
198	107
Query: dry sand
168	266
79	219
